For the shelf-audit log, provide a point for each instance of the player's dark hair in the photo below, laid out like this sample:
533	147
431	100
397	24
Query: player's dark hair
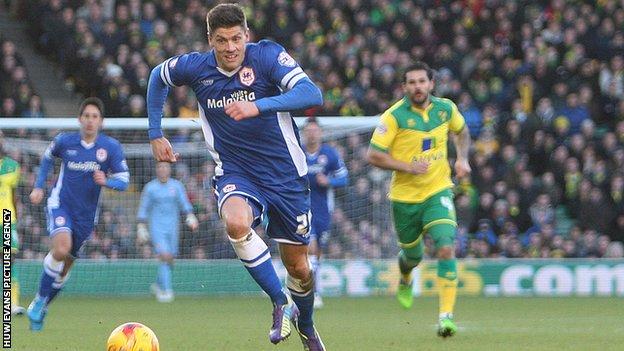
418	66
91	101
226	16
311	120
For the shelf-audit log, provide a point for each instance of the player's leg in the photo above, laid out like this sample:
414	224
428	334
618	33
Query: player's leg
289	225
168	258
238	216
162	247
314	255
53	267
406	218
80	234
440	224
16	309
59	283
408	259
300	283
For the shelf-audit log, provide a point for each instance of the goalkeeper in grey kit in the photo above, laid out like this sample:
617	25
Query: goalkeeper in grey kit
162	201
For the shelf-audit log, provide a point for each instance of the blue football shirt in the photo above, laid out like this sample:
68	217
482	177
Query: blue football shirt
75	189
266	149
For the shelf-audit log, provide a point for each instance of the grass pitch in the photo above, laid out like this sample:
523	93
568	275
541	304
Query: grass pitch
242	323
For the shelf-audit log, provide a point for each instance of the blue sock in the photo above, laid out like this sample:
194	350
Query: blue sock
45	285
51	272
256	257
303	295
53	294
164	277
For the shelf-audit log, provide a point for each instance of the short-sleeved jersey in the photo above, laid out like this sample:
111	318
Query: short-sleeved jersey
75	189
410	134
326	161
265	148
9	179
161	204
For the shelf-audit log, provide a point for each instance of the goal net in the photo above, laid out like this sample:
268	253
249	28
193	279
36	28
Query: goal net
115	262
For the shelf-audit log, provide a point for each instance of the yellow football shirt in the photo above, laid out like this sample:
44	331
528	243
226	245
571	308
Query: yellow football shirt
411	134
9	179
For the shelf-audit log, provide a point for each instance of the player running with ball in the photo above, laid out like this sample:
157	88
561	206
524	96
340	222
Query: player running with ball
244	90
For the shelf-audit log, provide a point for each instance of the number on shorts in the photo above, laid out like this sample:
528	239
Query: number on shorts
446	202
304	223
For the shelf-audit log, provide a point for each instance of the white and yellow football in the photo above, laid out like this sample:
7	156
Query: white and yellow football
132	337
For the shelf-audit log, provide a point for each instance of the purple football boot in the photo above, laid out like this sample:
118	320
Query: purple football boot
283	315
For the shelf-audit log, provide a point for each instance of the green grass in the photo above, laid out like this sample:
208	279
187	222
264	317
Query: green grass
239	323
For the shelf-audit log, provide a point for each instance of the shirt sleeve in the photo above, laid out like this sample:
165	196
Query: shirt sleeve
282	68
384	134
338	174
55	148
183	199
457	122
119	166
12	179
174	72
145	204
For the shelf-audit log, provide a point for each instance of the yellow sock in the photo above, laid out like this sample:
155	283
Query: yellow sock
448	293
15	291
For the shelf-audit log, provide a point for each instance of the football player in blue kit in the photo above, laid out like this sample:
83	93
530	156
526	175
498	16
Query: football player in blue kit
244	91
326	171
90	160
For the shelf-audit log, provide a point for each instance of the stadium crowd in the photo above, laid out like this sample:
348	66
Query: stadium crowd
17	95
541	85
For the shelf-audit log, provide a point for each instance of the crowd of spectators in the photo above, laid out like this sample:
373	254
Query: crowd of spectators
17	96
541	85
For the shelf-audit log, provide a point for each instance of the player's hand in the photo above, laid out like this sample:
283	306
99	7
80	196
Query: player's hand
192	222
419	167
36	195
99	177
240	110
322	179
462	168
163	151
142	233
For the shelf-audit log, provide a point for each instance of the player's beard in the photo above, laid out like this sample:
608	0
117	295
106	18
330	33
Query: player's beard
420	102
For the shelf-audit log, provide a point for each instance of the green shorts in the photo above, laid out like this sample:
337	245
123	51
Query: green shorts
435	216
14	238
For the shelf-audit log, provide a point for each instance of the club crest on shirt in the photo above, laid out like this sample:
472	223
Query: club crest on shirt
322	160
101	155
247	76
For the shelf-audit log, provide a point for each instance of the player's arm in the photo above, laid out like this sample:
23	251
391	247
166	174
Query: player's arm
339	176
380	144
461	139
282	70
170	73
47	163
13	183
190	220
304	94
120	175
145	204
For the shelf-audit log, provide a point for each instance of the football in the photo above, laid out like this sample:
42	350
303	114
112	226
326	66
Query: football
132	337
